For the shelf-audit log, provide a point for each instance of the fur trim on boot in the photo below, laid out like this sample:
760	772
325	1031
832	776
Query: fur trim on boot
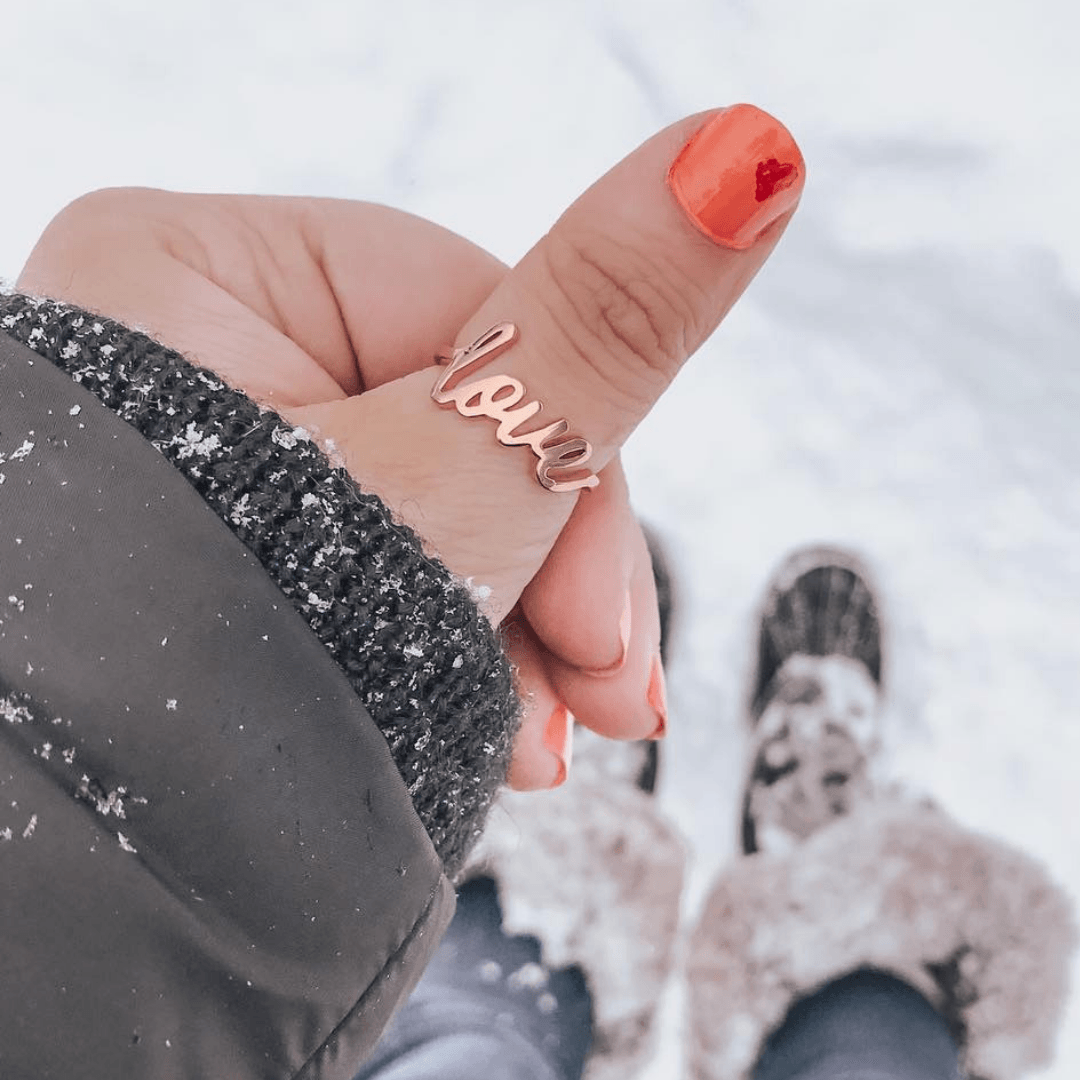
594	872
976	926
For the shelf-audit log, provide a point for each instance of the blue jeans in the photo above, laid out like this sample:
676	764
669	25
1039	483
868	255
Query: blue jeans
865	1026
487	1008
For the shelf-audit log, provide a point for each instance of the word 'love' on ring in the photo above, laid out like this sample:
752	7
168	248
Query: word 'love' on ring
562	460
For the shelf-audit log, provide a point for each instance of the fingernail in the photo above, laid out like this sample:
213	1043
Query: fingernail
737	175
656	696
559	740
624	644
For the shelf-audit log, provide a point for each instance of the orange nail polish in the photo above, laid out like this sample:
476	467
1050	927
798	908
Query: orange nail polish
559	740
737	175
656	696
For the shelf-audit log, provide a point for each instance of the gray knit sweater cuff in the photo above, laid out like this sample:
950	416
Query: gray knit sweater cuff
408	636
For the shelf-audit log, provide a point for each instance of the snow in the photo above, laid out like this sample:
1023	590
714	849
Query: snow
289	437
902	376
194	442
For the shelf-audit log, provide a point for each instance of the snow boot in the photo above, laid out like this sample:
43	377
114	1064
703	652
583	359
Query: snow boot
844	878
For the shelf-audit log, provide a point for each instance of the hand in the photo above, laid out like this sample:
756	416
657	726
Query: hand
331	311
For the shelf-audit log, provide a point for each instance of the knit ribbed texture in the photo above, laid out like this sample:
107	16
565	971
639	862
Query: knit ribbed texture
408	636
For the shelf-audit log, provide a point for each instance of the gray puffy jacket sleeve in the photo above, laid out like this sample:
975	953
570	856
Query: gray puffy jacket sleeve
239	707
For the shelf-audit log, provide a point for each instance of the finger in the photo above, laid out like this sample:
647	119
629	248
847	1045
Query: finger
579	602
608	305
544	743
632	703
403	285
642	268
291	300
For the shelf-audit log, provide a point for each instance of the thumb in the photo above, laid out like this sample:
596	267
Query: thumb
607	307
641	269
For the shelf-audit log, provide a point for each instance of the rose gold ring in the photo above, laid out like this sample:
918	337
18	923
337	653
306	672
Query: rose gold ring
561	460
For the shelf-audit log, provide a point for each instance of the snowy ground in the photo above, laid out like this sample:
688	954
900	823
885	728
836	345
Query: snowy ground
902	377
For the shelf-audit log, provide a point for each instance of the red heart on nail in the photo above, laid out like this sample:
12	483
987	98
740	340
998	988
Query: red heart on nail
769	174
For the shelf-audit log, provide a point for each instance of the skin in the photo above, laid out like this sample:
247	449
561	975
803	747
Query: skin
330	311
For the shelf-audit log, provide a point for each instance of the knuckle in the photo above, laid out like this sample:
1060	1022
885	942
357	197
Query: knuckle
626	313
89	228
99	206
76	237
